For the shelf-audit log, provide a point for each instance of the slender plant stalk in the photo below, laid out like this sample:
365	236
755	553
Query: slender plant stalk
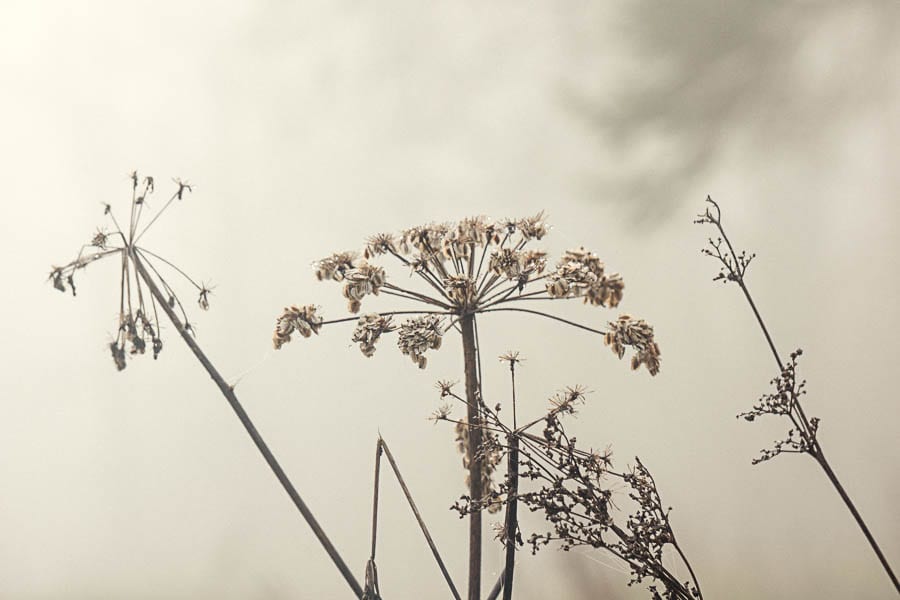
371	591
382	445
512	523
476	493
375	497
736	274
498	587
689	567
228	392
816	449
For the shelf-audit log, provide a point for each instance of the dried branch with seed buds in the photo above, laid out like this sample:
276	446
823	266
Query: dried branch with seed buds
573	489
802	437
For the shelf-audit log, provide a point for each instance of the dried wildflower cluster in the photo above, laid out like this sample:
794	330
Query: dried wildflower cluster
637	334
471	267
801	438
785	401
418	335
581	274
574	490
369	329
138	325
303	320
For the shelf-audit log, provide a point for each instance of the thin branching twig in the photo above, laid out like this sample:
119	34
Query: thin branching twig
802	437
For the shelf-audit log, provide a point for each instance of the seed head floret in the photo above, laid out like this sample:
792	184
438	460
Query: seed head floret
304	320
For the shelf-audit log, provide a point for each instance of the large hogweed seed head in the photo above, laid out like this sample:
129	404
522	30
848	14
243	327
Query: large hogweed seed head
471	267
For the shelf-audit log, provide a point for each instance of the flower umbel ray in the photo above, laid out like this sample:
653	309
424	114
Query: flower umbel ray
138	327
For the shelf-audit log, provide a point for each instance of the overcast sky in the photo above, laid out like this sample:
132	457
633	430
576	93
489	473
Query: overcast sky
306	127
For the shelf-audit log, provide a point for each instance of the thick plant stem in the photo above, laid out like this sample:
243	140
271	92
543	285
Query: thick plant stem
228	392
512	524
476	493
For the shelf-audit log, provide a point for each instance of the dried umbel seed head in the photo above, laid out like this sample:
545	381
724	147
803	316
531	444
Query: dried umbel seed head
303	320
118	354
99	240
418	335
474	230
427	239
203	300
533	227
638	334
506	262
512	357
335	266
441	414
460	289
581	274
369	329
606	292
566	401
467	268
516	264
446	387
459	242
361	281
378	244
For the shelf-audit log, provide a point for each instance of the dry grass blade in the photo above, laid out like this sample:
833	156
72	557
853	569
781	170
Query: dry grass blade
382	445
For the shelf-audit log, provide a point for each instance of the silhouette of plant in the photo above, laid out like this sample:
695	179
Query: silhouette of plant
802	437
572	488
466	269
142	285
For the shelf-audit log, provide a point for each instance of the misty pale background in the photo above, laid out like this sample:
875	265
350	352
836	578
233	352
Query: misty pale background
306	127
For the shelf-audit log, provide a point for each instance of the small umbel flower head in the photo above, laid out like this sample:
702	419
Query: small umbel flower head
368	331
463	269
581	274
143	285
335	266
360	282
637	334
303	320
419	335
